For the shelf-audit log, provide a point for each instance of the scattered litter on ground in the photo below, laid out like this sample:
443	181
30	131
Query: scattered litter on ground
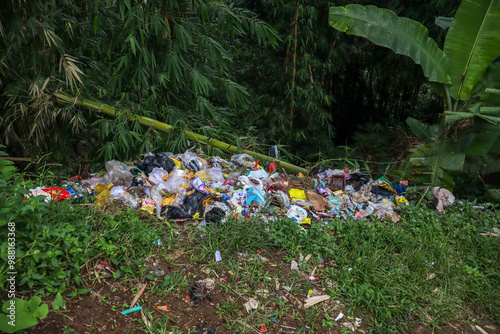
201	290
130	310
349	325
205	328
444	197
251	304
163	308
185	187
315	300
218	257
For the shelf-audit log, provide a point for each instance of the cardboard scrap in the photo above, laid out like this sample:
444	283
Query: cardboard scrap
481	330
315	300
492	234
138	295
317	201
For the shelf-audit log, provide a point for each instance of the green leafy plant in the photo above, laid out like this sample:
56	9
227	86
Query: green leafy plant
58	302
21	314
170	284
470	48
431	163
328	321
163	58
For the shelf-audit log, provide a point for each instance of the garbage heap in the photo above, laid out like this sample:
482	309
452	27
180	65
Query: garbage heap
186	187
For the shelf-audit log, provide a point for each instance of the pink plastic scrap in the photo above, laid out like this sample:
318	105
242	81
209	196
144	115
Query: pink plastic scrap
445	198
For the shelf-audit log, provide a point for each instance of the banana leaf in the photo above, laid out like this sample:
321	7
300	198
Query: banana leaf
431	163
402	35
424	131
491	79
491	95
481	165
486	138
472	44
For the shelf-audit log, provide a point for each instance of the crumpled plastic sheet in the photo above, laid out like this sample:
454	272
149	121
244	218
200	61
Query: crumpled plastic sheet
118	174
444	197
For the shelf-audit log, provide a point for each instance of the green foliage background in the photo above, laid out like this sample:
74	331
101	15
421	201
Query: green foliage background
254	73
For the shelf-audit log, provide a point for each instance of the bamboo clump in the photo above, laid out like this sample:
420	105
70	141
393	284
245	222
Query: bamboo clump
111	111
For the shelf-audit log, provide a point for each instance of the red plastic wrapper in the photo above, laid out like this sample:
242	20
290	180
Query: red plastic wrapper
272	167
57	193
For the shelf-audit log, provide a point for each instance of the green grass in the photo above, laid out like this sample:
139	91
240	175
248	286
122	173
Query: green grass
429	269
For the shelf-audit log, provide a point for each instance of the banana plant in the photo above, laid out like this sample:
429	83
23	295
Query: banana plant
461	71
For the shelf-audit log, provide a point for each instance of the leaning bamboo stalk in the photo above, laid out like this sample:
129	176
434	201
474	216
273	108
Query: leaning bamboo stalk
111	111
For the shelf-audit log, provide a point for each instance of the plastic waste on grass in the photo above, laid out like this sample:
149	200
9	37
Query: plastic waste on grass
216	175
188	194
156	196
297	213
243	160
201	290
120	194
191	205
444	197
157	176
52	193
215	215
103	193
118	174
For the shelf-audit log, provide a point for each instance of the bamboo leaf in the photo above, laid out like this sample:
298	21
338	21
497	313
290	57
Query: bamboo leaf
132	44
402	35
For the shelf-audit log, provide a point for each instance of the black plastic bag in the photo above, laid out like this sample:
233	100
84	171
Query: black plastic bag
316	170
357	180
214	216
192	204
155	161
198	292
379	191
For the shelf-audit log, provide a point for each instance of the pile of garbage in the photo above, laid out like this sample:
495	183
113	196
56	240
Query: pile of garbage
186	187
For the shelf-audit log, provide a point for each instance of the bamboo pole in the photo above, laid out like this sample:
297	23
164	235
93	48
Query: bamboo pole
111	111
17	159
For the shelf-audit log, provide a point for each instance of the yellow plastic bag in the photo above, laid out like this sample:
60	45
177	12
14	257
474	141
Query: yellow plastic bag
297	195
104	191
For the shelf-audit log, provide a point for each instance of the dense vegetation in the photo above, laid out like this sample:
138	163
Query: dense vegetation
250	72
306	75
